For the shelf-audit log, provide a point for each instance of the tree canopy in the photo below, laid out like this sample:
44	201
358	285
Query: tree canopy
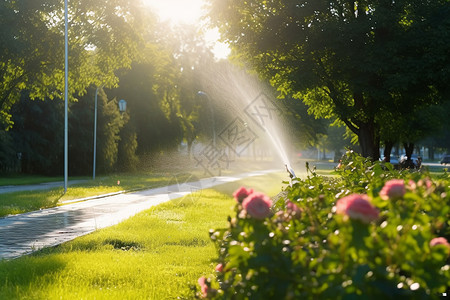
358	61
103	36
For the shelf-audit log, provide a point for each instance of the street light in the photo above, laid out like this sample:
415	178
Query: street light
66	96
95	133
201	93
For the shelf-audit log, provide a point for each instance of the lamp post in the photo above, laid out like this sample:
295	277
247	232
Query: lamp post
66	96
201	93
95	133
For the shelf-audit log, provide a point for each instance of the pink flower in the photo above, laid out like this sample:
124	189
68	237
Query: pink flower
293	208
394	188
412	185
357	207
257	205
439	241
203	286
242	193
219	268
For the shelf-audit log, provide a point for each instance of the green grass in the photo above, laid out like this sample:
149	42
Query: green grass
155	255
27	179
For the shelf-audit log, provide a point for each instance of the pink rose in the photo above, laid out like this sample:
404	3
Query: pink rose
439	241
219	268
412	185
242	193
394	188
357	207
257	205
428	183
203	286
293	208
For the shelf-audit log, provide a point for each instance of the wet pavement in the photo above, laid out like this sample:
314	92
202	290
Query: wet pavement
25	233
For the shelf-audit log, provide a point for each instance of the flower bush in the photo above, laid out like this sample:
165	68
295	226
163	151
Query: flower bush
361	236
357	207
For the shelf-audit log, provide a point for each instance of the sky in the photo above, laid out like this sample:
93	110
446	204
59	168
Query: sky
187	12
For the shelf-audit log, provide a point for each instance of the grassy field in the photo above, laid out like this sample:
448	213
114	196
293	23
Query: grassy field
155	255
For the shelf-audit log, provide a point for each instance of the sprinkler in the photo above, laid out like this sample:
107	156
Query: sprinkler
290	172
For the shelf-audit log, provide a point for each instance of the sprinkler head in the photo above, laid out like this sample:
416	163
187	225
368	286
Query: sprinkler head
290	171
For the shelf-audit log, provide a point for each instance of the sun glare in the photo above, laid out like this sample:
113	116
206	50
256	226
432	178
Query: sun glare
188	12
177	11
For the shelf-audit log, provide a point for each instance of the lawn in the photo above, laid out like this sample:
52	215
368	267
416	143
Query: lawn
155	255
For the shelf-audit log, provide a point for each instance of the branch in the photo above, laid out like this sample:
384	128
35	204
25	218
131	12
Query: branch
351	126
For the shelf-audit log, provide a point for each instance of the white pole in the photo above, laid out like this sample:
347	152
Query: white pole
66	96
95	134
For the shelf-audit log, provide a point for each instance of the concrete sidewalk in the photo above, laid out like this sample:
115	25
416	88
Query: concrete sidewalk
25	233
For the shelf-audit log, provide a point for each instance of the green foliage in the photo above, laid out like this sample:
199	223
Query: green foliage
81	130
127	159
39	135
103	37
310	251
360	62
8	157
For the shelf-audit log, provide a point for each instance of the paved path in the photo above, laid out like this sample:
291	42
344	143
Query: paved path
25	233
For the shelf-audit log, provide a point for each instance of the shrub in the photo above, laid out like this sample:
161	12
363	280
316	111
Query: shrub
372	233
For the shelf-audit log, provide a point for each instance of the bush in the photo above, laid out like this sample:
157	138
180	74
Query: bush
369	234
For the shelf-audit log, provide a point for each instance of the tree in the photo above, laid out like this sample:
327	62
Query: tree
38	135
192	57
81	134
348	60
9	158
103	36
305	129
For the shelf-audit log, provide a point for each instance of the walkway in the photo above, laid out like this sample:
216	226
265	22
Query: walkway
25	233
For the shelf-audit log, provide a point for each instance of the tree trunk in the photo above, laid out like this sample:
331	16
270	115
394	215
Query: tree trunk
189	147
409	149
368	141
365	129
431	152
388	145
